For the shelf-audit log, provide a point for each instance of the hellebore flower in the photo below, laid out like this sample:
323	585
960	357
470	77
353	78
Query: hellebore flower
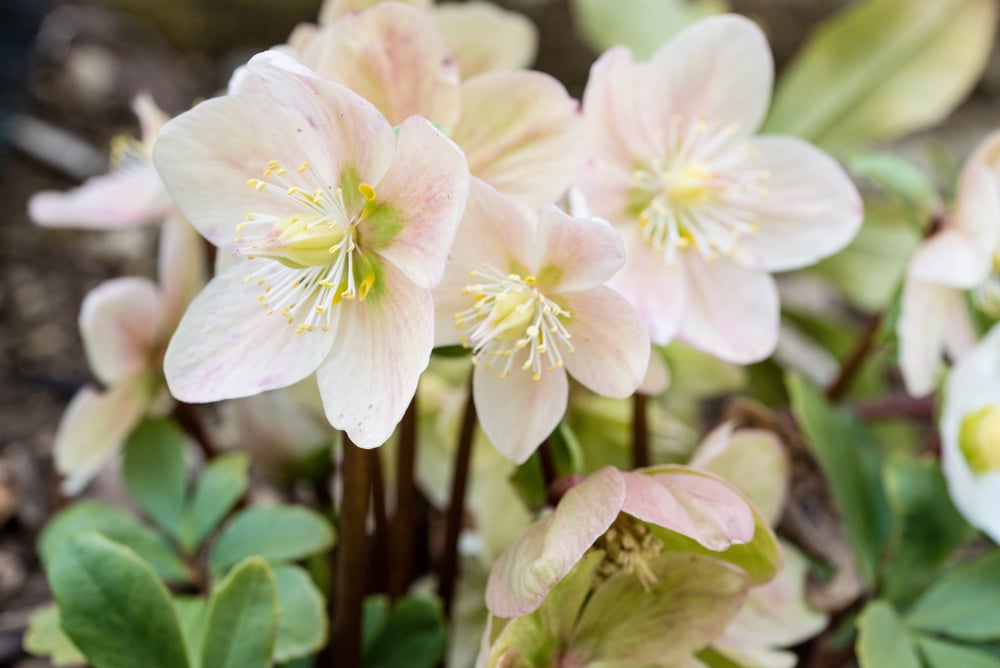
961	256
525	292
131	194
340	229
707	210
970	434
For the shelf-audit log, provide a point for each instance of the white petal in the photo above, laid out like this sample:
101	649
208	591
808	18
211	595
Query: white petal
732	312
127	197
518	413
584	252
181	267
383	346
120	323
617	91
227	346
610	344
929	313
484	37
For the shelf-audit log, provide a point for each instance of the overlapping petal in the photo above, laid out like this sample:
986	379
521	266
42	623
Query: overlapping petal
120	322
483	37
127	197
181	268
616	108
581	252
933	318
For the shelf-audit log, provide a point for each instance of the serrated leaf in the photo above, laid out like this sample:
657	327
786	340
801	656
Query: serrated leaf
221	484
120	527
154	472
242	618
113	606
963	602
940	654
277	533
192	613
881	69
642	25
413	635
45	637
302	627
883	640
851	464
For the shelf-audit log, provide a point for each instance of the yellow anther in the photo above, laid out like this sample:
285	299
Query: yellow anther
367	192
536	376
239	228
273	164
248	217
247	279
530	280
252	183
293	190
303	167
280	171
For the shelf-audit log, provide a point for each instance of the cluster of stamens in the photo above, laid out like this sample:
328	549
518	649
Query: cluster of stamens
628	545
689	195
317	261
510	316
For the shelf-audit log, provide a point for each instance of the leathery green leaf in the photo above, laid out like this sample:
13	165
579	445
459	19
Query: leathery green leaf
242	618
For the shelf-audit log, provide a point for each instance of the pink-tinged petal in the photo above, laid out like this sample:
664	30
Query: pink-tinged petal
93	429
932	318
151	117
182	268
383	345
732	312
812	208
977	211
522	133
420	203
484	37
126	197
617	95
517	413
693	503
301	36
334	9
718	70
987	153
656	290
606	189
120	323
581	253
528	569
227	346
394	57
610	344
657	378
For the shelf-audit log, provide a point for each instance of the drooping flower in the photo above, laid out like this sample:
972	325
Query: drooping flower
706	209
340	229
964	255
970	434
131	194
525	292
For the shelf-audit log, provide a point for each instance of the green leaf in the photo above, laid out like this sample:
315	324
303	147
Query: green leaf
220	485
642	25
277	533
374	615
113	606
850	461
412	636
962	603
192	613
45	637
939	654
881	69
883	640
902	180
154	473
120	527
302	625
928	527
242	618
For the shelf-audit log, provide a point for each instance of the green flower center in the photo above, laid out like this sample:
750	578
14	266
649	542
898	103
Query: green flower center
979	439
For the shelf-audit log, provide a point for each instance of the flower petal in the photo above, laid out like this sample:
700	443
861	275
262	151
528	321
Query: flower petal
610	344
181	268
719	69
93	429
930	317
517	413
582	252
693	503
120	323
126	197
732	312
151	117
522	134
543	555
484	37
811	211
420	203
656	290
383	346
227	346
617	90
334	9
394	57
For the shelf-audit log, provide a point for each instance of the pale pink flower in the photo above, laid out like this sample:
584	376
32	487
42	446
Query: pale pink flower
962	256
340	229
526	293
707	210
131	194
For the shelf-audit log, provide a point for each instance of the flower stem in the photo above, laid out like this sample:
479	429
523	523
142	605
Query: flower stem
896	407
404	516
549	471
448	571
852	364
640	431
381	556
352	555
